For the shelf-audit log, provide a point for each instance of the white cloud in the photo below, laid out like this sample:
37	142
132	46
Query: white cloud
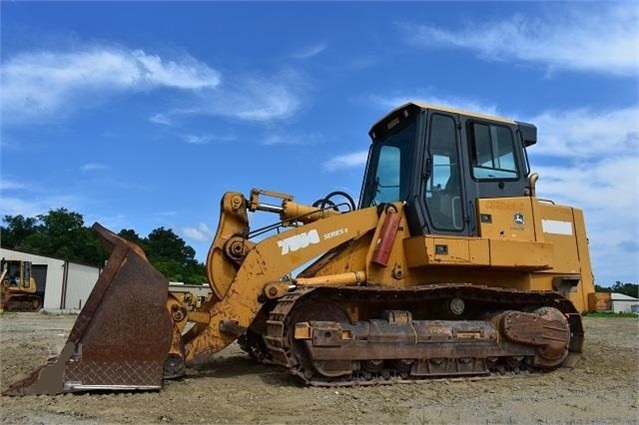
248	98
292	138
585	133
92	166
200	233
310	51
349	160
161	119
6	184
45	84
194	139
601	37
29	199
258	98
190	74
30	206
42	86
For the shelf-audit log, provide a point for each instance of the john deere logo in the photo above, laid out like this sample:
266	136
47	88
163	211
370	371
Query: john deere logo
519	219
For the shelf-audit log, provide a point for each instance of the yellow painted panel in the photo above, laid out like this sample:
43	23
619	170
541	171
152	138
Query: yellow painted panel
558	228
524	255
437	250
506	218
479	252
415	251
587	285
448	250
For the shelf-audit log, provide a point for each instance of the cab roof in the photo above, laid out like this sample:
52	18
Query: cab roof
529	131
448	109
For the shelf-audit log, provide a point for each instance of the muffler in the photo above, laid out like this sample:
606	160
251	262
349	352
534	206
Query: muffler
123	335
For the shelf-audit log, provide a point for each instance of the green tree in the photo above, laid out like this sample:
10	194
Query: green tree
169	254
60	222
132	236
16	230
630	289
62	234
173	257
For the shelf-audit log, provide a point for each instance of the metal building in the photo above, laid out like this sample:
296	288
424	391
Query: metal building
64	285
622	303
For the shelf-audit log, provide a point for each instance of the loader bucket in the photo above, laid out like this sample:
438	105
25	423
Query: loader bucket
122	336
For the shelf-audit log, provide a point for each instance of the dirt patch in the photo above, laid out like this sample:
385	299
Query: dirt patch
601	388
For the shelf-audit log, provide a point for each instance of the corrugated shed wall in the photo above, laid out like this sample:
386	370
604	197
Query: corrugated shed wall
80	282
68	284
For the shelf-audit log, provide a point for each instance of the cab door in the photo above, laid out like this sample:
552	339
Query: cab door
443	192
497	165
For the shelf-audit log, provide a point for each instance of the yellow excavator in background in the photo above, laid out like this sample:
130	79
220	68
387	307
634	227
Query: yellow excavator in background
18	289
450	266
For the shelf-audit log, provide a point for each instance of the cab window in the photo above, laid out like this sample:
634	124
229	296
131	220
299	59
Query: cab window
388	175
443	186
492	152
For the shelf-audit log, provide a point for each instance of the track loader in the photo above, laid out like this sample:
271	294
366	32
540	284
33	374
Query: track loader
18	288
450	266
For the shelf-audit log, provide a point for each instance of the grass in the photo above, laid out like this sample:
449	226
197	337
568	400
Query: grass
611	314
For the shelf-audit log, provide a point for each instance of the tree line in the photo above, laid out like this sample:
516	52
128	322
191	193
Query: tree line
630	289
62	234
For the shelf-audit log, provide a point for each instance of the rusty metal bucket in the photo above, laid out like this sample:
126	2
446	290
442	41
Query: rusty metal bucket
122	336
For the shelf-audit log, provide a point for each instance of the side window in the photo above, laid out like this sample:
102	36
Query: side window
443	187
390	168
388	175
26	276
492	152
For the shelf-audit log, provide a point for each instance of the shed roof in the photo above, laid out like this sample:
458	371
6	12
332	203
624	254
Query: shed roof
615	296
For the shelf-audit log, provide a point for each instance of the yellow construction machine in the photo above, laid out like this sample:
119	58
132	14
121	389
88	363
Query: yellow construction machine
18	289
450	266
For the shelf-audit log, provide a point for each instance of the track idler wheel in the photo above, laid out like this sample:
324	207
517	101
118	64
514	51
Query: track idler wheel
546	328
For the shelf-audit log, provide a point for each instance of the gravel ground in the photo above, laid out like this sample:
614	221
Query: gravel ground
602	387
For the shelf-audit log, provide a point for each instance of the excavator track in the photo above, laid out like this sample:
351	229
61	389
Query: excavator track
491	331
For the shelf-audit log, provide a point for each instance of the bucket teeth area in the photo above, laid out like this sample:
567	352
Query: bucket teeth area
121	337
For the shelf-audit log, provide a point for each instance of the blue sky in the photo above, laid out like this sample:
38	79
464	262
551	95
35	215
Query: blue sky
141	115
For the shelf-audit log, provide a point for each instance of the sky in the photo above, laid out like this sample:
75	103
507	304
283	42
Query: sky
141	115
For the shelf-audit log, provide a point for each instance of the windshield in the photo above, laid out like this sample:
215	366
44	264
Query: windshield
388	173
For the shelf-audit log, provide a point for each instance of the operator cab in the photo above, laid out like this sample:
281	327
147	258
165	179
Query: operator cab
17	273
440	160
